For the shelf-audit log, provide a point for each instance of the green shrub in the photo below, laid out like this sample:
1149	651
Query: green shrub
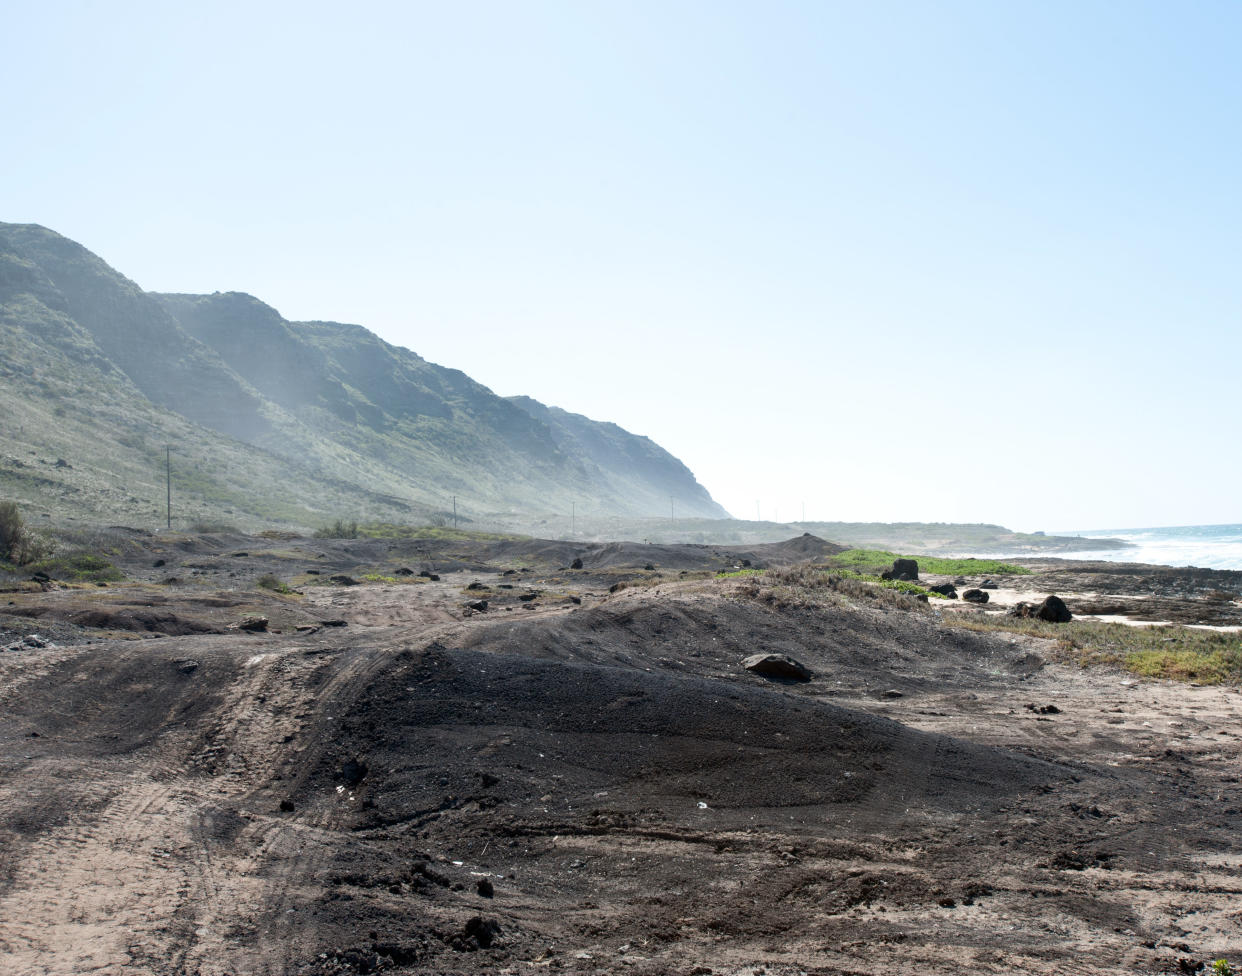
80	567
270	581
18	544
338	530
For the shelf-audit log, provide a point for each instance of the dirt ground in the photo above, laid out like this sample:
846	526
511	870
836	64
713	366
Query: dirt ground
582	777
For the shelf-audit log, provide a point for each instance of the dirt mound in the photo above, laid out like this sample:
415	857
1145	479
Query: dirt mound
138	620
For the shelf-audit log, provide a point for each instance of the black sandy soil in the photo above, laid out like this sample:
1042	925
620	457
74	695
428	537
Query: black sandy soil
408	786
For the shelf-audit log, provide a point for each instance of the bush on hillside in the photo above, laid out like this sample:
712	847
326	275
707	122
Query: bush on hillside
19	545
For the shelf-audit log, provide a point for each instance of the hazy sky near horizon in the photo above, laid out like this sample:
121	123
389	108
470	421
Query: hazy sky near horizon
952	261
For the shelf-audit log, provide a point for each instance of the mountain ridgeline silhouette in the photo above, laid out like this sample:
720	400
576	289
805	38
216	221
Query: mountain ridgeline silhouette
274	420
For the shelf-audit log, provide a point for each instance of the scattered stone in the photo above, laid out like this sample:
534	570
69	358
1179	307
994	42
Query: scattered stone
482	931
403	571
576	564
353	772
342	580
253	624
945	589
975	596
902	569
425	574
240	555
479	606
527	597
987	584
577	600
308	628
62	463
649	567
509	572
334	623
432	577
947	903
485	888
313	572
35	641
40	577
1043	709
892	693
777	666
158	563
186	666
286	806
476	585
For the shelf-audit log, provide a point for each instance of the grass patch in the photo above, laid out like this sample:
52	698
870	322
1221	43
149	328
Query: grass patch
738	573
1174	653
381	578
82	567
861	559
391	530
272	582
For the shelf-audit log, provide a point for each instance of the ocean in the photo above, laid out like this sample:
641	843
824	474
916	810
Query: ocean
1205	546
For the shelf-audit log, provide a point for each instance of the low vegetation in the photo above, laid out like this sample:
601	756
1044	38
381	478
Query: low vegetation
340	529
79	567
391	530
812	586
19	545
864	559
272	582
1175	653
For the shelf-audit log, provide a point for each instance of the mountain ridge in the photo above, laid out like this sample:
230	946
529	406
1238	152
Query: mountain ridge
330	408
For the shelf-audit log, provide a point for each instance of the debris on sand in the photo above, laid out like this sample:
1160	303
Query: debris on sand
777	666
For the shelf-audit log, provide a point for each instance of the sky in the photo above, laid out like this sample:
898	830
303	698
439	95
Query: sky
892	261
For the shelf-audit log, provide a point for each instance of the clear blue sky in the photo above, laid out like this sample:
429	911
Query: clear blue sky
938	261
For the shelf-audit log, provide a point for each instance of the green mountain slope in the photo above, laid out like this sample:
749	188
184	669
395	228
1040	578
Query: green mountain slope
271	420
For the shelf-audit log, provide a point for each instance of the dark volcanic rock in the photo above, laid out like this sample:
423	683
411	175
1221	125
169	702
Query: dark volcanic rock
1054	610
975	596
254	624
902	569
945	589
777	666
340	579
576	564
478	605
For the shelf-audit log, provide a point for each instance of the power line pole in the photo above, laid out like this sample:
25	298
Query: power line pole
168	479
671	508
454	513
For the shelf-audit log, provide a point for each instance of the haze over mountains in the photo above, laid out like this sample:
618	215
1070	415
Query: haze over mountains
274	421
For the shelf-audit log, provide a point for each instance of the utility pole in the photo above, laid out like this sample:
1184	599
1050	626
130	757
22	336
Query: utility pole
454	513
168	479
671	508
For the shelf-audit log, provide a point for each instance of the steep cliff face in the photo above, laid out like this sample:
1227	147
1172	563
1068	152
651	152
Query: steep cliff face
331	407
631	465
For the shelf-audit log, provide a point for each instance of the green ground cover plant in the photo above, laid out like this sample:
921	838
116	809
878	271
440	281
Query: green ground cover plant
1170	652
876	558
391	530
80	567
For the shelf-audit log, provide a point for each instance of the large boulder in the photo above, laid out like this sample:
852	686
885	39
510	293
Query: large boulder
777	666
902	569
975	596
945	589
1054	610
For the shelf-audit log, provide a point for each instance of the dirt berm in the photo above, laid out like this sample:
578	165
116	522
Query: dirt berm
602	788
